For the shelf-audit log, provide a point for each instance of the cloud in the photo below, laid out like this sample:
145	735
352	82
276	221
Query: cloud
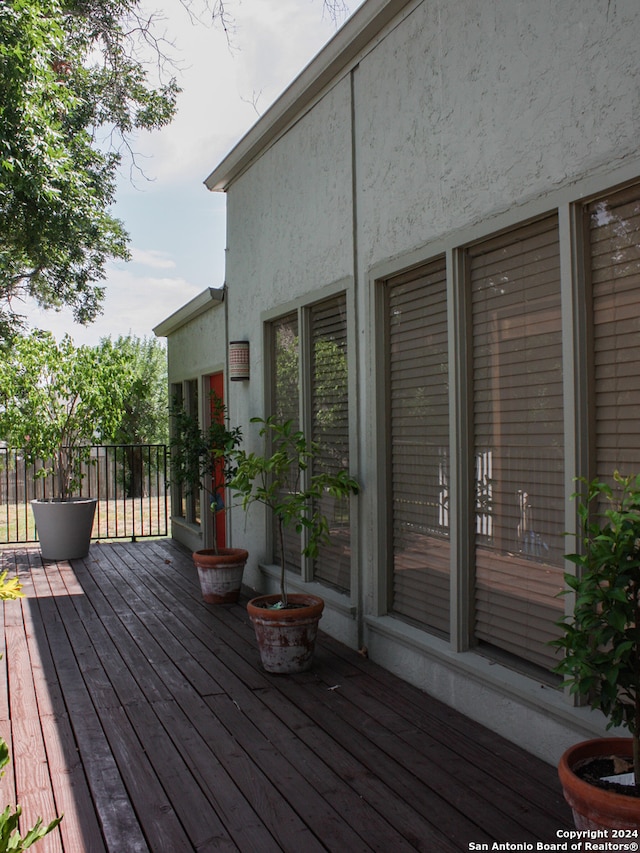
154	258
271	43
134	304
175	225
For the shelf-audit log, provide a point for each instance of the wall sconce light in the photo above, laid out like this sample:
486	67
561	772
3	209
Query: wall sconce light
239	360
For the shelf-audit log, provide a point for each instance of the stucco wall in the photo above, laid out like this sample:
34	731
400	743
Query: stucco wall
198	348
289	225
289	218
468	116
471	107
195	349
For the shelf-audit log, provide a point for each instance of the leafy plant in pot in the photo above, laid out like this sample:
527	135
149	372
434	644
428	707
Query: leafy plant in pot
202	459
601	645
56	400
283	480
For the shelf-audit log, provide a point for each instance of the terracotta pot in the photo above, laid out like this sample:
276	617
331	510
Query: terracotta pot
286	638
593	807
64	527
220	574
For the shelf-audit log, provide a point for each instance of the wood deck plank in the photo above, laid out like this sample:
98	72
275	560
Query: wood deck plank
455	766
209	765
146	715
80	828
29	757
120	827
144	657
424	835
116	678
482	811
379	833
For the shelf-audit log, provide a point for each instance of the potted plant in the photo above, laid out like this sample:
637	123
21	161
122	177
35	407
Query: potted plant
601	645
203	461
283	480
56	400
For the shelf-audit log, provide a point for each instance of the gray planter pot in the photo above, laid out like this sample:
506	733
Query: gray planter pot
64	527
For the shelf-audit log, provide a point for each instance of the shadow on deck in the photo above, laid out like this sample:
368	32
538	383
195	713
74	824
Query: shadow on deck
144	716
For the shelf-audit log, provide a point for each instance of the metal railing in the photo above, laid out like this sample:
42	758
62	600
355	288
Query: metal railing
129	481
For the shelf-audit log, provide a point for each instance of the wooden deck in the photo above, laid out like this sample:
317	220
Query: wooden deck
144	716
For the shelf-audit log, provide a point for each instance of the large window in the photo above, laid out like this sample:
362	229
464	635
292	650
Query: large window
418	398
614	254
311	344
518	429
330	430
480	503
285	403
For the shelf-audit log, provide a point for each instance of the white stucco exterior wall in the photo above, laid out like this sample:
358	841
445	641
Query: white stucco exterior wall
289	223
196	348
470	108
453	120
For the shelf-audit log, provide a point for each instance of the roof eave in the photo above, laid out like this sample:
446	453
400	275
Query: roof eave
333	59
209	298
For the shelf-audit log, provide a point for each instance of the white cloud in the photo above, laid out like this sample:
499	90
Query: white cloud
134	304
154	258
270	44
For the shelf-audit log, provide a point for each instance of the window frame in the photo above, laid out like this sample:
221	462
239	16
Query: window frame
569	204
302	306
433	267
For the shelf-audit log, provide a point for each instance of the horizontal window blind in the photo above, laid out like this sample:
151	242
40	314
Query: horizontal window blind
330	429
416	307
614	232
518	440
285	359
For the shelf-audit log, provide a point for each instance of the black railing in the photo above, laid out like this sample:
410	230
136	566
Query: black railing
129	482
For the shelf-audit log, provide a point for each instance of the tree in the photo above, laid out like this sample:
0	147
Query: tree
68	69
56	400
202	460
74	88
282	480
145	418
145	404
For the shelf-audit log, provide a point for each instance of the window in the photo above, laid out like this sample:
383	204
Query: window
418	404
185	501
285	405
515	462
330	429
312	343
614	253
285	360
518	436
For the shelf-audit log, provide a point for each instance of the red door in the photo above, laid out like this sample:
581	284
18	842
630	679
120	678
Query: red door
216	386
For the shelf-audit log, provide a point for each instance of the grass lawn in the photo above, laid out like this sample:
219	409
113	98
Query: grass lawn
124	518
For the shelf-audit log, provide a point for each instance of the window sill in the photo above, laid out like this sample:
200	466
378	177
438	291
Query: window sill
459	678
340	602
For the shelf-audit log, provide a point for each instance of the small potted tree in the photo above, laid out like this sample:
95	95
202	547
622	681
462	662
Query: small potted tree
601	645
203	461
283	480
56	400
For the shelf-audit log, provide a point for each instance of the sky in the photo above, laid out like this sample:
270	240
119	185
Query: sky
177	227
